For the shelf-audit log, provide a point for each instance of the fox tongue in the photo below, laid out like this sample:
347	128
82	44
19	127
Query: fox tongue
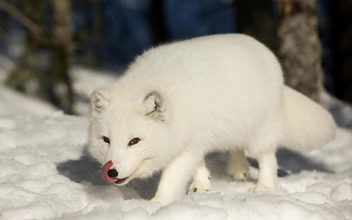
106	168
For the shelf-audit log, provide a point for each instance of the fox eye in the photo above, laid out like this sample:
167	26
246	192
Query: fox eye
106	140
134	141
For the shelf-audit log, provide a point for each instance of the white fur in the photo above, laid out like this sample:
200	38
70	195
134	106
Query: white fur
214	93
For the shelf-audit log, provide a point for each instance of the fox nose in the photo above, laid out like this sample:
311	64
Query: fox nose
109	173
112	173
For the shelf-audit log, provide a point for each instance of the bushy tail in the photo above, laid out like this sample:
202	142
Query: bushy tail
306	125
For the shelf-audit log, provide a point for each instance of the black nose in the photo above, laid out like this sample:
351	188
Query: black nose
112	173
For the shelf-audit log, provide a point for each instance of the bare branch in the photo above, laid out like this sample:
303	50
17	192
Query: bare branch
24	20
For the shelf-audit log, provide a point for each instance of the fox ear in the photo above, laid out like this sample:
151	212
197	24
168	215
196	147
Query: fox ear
154	105
99	100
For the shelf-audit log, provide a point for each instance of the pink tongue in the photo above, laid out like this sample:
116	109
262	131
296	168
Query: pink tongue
106	168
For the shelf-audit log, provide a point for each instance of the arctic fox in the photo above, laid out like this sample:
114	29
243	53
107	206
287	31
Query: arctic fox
180	101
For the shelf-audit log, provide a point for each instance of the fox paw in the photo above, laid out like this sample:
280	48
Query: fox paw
200	185
161	200
239	175
262	188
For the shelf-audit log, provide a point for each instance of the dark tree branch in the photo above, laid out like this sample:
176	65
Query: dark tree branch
24	20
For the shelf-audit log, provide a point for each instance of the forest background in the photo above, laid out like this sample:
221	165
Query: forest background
46	38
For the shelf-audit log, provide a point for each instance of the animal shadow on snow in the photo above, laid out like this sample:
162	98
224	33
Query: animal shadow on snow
88	170
289	162
342	114
295	162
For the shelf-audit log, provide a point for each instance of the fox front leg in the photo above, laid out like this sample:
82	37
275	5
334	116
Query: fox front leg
201	179
173	184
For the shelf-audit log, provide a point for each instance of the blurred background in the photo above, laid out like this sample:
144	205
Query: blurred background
60	50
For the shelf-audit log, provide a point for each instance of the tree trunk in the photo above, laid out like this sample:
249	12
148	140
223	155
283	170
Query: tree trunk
300	50
62	55
49	80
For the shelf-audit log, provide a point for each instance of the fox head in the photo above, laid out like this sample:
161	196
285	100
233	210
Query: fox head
128	137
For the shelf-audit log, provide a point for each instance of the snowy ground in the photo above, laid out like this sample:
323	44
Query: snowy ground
46	174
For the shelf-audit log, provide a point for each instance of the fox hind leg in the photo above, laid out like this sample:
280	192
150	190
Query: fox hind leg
267	172
238	165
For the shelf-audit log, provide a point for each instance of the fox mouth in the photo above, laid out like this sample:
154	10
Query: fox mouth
112	177
116	181
120	181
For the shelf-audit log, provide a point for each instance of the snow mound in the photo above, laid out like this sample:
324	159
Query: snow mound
46	174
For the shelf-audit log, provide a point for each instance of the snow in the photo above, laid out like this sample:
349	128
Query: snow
14	103
84	83
46	173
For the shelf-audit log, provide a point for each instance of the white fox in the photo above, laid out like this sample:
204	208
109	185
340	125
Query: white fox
180	101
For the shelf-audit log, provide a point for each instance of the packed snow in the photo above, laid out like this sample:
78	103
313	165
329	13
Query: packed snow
46	173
